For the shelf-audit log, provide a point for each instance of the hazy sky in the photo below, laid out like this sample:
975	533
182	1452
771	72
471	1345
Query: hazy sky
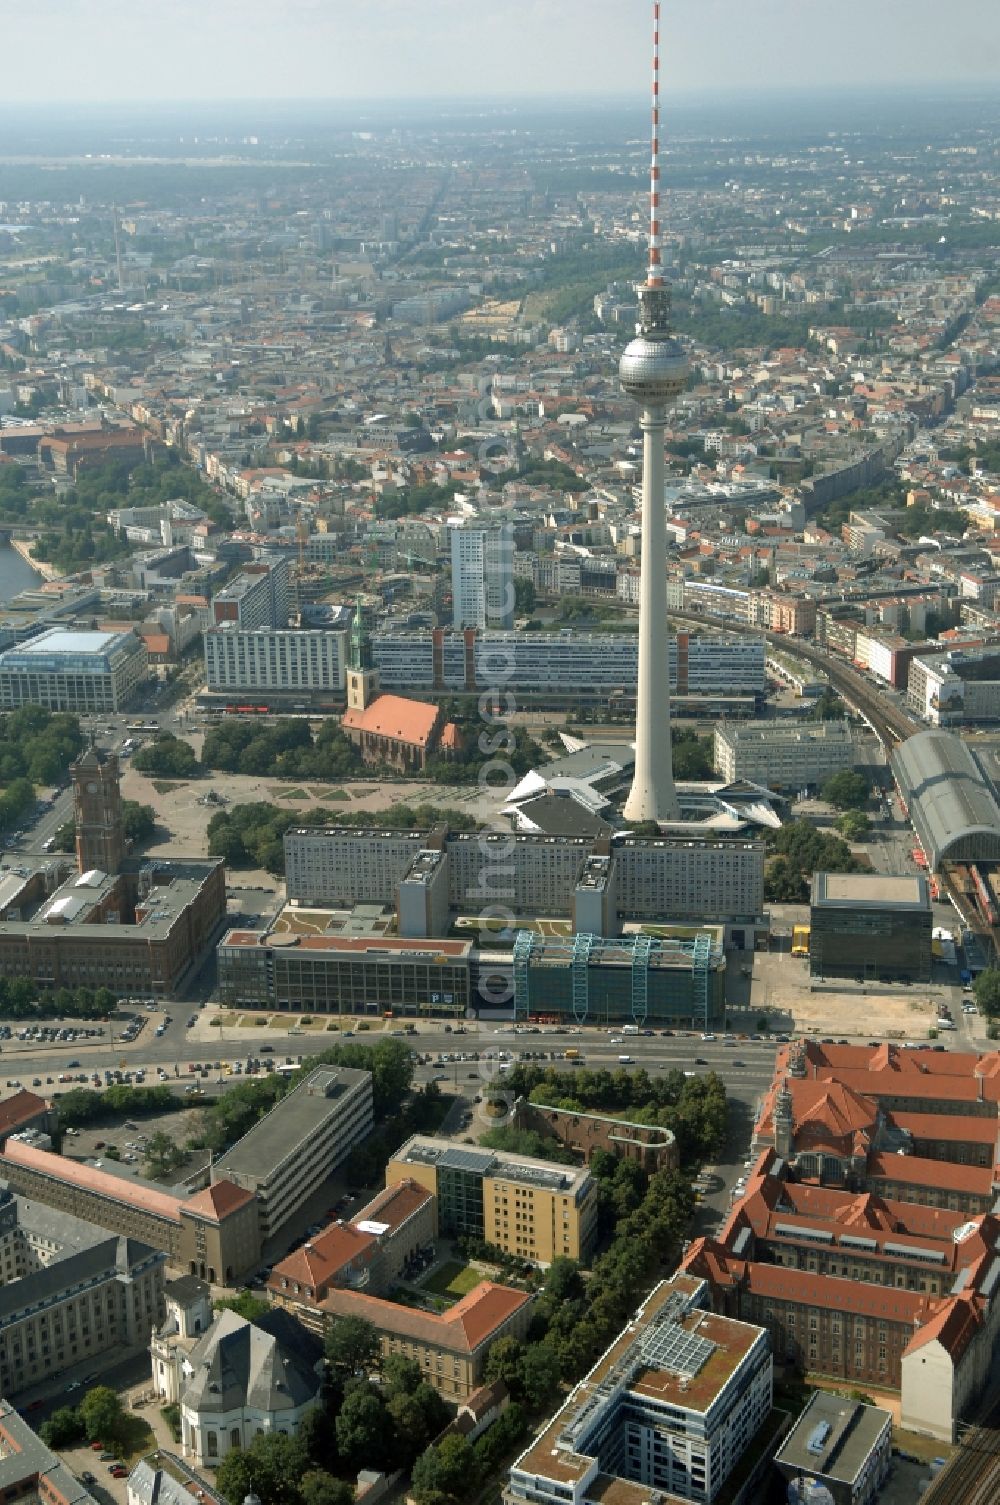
109	50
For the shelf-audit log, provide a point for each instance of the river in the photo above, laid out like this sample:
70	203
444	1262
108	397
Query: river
15	575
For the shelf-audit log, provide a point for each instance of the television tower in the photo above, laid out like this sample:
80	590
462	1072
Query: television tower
653	370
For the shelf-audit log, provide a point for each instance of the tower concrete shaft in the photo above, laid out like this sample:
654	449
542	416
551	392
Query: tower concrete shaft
652	796
653	371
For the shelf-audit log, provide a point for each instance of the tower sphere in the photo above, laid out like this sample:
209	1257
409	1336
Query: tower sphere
653	370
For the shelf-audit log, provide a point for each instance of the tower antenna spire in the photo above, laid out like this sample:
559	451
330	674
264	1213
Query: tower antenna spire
654	276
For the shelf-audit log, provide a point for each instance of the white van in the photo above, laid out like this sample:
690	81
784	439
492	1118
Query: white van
625	1060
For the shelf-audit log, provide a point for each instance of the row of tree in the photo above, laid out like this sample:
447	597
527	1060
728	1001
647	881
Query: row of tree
21	999
283	747
250	835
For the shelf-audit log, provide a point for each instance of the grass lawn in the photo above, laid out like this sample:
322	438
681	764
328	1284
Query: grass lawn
166	786
281	793
329	794
452	1279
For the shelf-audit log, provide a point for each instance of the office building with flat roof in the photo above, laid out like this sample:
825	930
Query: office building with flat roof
669	1410
841	1444
534	1208
291	1151
66	670
870	925
783	754
336	974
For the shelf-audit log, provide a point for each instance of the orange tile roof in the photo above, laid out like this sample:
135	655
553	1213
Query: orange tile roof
836	1294
963	1127
119	1189
319	1263
411	721
219	1200
394	1204
916	1170
19	1110
463	1329
954	1327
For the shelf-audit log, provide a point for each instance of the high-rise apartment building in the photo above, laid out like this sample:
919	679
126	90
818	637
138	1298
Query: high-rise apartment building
260	596
482	576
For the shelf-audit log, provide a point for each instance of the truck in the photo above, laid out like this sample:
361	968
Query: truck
630	1029
572	1054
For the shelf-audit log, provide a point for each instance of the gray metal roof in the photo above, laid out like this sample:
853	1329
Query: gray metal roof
269	1365
952	807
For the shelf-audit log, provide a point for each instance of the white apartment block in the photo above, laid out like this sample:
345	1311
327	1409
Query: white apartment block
482	576
674	879
667	1411
338	865
273	658
956	688
783	755
528	874
572	664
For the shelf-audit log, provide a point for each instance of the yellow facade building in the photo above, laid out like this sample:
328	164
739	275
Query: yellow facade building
535	1209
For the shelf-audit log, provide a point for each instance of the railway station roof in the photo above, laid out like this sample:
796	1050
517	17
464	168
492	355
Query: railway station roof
951	803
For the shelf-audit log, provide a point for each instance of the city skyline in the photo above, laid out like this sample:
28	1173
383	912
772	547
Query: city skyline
437	49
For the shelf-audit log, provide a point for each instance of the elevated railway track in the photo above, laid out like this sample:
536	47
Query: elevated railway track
889	722
973	1475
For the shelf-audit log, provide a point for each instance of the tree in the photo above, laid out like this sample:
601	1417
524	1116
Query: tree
846	790
352	1347
853	824
448	1469
540	1375
828	706
505	1361
400	1375
138	821
362	1433
270	1468
101	1413
168	758
563	1281
986	989
63	1428
163	1155
524	596
320	1488
245	1304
